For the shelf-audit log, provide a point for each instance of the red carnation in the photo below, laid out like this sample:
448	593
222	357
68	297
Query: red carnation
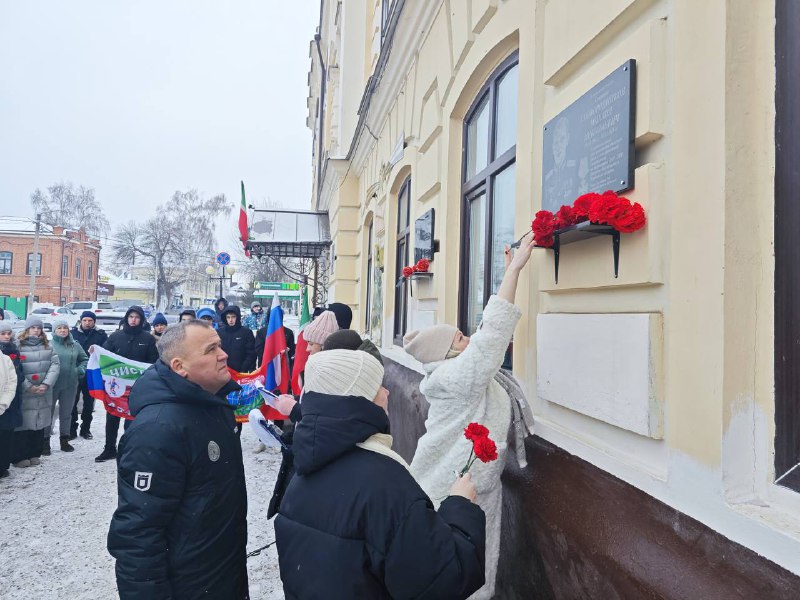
22	357
581	206
608	208
565	217
407	272
631	220
473	431
546	242
12	356
485	449
422	265
543	226
34	377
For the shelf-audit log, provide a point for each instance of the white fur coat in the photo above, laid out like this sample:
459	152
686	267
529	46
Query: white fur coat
460	391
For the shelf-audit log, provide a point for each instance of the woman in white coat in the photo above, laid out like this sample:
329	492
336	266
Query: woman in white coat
461	387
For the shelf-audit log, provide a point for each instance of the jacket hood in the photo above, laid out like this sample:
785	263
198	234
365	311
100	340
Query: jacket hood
207	311
127	328
331	427
228	310
224	304
160	385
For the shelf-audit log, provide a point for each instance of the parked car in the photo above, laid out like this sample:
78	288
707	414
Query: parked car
50	314
108	316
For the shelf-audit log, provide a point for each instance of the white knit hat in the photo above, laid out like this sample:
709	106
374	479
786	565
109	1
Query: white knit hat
320	328
343	373
430	344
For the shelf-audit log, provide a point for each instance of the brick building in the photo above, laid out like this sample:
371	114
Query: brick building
66	268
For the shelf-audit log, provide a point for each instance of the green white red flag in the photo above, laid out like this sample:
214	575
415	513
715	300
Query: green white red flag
244	233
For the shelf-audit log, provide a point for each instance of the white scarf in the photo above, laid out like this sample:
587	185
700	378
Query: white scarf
381	443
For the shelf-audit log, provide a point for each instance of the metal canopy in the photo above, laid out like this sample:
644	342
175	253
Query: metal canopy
289	234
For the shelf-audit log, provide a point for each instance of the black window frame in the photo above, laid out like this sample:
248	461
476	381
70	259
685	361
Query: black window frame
787	245
64	267
402	242
6	257
482	184
29	263
368	295
386	13
78	267
89	270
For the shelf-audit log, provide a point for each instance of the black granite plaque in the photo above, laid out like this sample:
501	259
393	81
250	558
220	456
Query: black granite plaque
423	234
589	146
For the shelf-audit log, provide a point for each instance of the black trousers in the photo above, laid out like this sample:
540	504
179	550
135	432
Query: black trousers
112	429
86	412
6	436
27	444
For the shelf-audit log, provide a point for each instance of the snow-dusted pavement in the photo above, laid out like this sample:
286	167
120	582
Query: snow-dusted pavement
54	520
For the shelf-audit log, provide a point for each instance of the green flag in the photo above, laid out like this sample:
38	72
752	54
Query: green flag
305	318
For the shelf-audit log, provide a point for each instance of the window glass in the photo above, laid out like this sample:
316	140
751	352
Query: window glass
77	268
6	263
506	128
478	139
477	235
502	221
90	270
30	264
65	266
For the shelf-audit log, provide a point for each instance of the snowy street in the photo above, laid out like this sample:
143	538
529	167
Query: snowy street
55	519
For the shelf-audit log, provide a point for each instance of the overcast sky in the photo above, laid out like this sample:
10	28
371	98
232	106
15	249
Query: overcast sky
140	98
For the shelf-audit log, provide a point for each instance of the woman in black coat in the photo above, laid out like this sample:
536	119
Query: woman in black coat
354	523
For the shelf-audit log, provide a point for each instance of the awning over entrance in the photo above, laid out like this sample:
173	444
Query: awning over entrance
289	234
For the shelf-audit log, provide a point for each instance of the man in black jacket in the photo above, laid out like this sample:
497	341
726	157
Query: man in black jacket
132	342
237	341
354	523
180	528
87	335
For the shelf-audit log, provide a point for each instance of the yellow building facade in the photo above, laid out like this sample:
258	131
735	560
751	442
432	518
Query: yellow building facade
659	383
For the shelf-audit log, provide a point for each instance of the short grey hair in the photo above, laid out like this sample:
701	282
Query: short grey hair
171	343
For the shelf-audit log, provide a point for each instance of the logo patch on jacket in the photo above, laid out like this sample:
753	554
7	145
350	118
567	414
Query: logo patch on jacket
213	451
141	481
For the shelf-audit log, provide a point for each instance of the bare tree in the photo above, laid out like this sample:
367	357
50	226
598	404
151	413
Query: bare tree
64	205
175	243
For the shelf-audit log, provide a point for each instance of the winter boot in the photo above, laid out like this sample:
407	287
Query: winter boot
22	464
72	436
65	446
87	435
46	447
35	461
107	454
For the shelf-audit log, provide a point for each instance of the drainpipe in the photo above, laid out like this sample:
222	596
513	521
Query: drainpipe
322	86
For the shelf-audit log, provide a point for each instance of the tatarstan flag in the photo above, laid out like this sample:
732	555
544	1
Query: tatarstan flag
301	348
244	234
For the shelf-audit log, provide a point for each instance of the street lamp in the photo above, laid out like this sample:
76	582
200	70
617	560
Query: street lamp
221	278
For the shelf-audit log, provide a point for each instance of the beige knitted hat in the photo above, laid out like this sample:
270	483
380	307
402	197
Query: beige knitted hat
343	373
320	328
430	344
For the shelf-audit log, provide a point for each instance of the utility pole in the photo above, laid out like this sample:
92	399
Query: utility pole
34	261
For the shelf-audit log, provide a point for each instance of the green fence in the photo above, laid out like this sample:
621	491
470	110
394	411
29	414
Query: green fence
18	305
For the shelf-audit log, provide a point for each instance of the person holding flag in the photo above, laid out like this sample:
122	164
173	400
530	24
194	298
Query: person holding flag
276	350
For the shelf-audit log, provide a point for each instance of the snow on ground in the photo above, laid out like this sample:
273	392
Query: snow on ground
54	519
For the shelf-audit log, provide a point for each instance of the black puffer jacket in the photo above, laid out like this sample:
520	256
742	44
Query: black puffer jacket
180	530
237	342
12	417
89	338
355	524
133	342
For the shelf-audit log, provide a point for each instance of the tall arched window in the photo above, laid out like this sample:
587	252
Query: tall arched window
401	260
488	184
368	295
6	263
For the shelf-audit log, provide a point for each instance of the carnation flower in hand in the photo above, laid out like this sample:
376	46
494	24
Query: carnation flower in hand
474	431
485	449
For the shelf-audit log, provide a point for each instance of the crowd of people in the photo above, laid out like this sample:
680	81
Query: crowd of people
353	518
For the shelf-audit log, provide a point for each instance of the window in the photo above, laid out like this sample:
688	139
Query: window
787	246
386	12
368	296
65	266
30	263
6	263
90	271
401	260
489	181
77	268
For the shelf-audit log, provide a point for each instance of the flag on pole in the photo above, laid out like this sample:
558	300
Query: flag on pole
110	378
244	234
301	348
275	350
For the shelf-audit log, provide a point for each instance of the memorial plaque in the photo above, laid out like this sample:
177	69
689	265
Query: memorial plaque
589	146
423	235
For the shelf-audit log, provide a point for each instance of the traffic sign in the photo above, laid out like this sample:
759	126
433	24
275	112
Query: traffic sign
223	258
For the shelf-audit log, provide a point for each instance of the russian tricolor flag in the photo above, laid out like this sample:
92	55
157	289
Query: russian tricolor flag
275	351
